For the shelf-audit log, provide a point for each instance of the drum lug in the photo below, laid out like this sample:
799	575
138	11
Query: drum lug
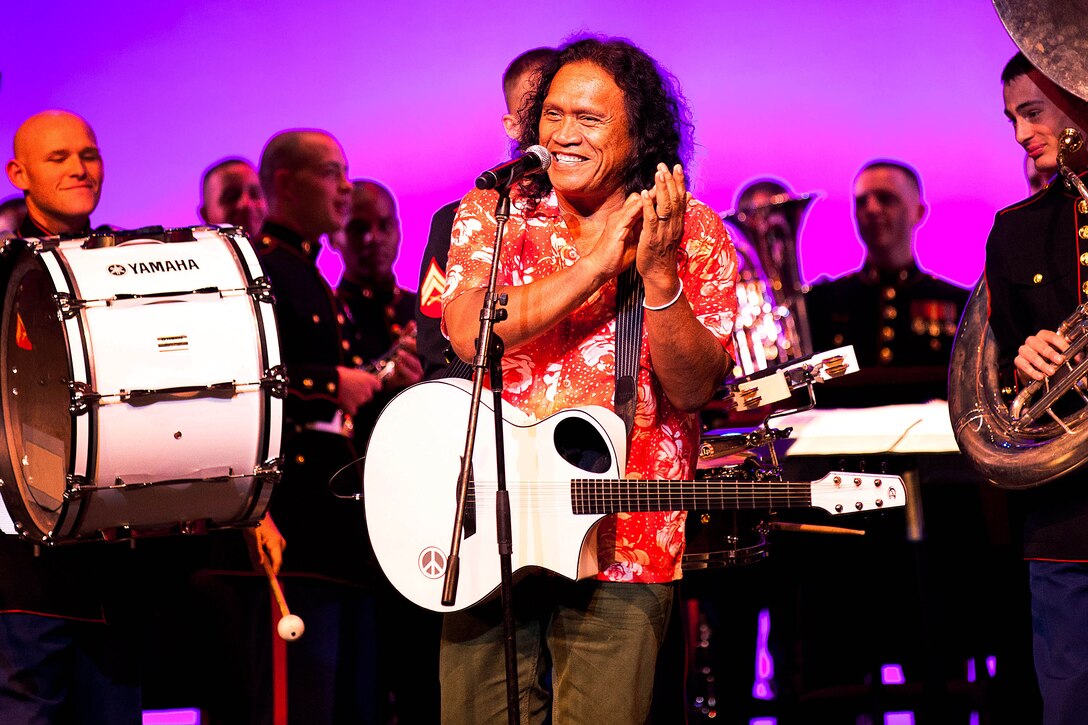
261	289
67	305
275	381
77	486
269	469
82	398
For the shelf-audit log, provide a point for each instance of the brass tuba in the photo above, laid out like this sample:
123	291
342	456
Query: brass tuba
771	325
1034	439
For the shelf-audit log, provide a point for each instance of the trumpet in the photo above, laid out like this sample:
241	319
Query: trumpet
385	365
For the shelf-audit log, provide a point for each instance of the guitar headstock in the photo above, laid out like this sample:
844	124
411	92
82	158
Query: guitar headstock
841	492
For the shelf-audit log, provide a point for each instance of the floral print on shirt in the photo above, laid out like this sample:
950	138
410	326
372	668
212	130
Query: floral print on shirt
573	364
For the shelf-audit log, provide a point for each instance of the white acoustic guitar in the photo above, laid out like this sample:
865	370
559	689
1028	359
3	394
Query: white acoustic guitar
564	474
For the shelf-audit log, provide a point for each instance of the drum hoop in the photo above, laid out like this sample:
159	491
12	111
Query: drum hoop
245	257
267	332
39	257
84	429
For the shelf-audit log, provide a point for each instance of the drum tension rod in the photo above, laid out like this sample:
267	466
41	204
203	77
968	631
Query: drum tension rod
129	296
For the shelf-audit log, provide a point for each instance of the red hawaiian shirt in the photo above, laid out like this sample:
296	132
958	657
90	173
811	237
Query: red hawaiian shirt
573	363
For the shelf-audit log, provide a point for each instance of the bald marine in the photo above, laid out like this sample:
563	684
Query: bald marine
58	167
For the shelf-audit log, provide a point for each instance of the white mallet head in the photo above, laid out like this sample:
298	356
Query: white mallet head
290	627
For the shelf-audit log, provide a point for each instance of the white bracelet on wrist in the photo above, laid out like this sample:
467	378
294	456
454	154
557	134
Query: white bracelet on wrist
670	303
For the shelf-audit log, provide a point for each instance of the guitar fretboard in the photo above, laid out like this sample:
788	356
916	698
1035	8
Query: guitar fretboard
603	496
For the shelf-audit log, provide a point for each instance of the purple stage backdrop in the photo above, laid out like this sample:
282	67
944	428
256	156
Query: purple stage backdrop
804	91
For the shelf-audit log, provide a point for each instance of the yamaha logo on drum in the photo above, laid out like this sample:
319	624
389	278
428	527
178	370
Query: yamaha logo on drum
169	265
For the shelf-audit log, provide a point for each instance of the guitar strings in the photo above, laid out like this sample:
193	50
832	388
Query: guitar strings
566	495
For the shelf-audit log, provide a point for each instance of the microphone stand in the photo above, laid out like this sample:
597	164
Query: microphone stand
489	350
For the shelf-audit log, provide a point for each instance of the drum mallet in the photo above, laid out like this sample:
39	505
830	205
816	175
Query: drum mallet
290	626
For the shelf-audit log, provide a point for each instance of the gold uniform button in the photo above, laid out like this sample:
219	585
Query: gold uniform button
345	344
1084	259
306	247
934	344
1084	288
307	382
331	387
889	293
890	313
1037	278
356	360
1083	232
885	355
887	333
918	326
837	340
300	458
1082	206
316	319
340	319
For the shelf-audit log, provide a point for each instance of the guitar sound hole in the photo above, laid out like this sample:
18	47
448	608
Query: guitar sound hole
581	445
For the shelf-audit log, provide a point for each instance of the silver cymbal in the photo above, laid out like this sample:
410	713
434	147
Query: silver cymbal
1053	34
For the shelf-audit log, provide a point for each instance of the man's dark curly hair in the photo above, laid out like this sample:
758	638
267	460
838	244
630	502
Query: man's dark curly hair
657	115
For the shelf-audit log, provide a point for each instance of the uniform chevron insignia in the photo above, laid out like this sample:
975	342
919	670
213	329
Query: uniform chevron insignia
431	289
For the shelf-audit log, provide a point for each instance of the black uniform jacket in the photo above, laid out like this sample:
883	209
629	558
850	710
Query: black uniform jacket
325	533
1037	273
895	320
376	319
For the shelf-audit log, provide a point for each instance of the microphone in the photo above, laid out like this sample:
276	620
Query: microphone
505	175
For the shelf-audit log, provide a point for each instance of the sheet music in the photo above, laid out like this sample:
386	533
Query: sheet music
914	428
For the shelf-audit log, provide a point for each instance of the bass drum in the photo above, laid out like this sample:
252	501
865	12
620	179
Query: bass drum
141	385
